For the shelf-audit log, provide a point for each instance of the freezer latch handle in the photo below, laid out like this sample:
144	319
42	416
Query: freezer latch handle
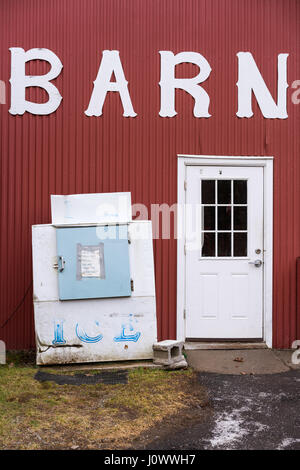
60	264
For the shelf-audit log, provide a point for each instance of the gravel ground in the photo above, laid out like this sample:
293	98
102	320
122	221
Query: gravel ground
248	412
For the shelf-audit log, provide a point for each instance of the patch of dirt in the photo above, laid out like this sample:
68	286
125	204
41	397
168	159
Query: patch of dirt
24	358
198	411
173	425
22	398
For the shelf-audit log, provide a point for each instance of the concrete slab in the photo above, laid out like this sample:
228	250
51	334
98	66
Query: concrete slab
245	361
289	357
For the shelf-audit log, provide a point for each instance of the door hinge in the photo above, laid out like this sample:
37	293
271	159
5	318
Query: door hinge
131	285
184	313
185	249
185	185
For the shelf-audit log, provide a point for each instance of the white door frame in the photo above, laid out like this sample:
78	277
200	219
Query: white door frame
201	160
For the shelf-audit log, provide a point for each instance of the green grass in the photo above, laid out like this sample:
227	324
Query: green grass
36	415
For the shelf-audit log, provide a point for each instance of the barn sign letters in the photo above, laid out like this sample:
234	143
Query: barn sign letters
250	81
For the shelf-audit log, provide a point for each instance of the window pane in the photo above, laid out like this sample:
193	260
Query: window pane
240	218
224	191
224	218
209	218
224	244
240	244
240	192
209	248
208	192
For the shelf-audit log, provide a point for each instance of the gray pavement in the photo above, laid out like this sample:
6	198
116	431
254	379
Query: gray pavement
254	404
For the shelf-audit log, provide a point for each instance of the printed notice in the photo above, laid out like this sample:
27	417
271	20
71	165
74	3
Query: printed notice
90	262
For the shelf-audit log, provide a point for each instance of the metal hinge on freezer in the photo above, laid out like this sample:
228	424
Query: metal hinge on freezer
185	185
184	313
131	285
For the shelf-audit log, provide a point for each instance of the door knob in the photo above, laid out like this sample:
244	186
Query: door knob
257	263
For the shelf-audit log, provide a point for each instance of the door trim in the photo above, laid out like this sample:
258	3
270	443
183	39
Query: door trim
213	160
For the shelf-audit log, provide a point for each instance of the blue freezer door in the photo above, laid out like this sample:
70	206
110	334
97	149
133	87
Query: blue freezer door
93	262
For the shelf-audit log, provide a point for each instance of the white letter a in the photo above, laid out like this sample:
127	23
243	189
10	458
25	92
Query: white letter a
110	64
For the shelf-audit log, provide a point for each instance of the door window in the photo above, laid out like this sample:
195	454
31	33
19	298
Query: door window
224	218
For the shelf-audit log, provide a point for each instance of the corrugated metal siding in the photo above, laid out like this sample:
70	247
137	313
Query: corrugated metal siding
68	152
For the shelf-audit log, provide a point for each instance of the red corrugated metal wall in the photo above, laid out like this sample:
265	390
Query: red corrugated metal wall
68	152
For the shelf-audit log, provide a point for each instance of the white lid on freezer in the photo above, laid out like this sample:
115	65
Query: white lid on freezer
85	209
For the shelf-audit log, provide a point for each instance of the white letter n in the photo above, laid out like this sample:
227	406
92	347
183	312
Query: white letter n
250	80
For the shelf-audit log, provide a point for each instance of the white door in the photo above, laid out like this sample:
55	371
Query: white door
224	252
